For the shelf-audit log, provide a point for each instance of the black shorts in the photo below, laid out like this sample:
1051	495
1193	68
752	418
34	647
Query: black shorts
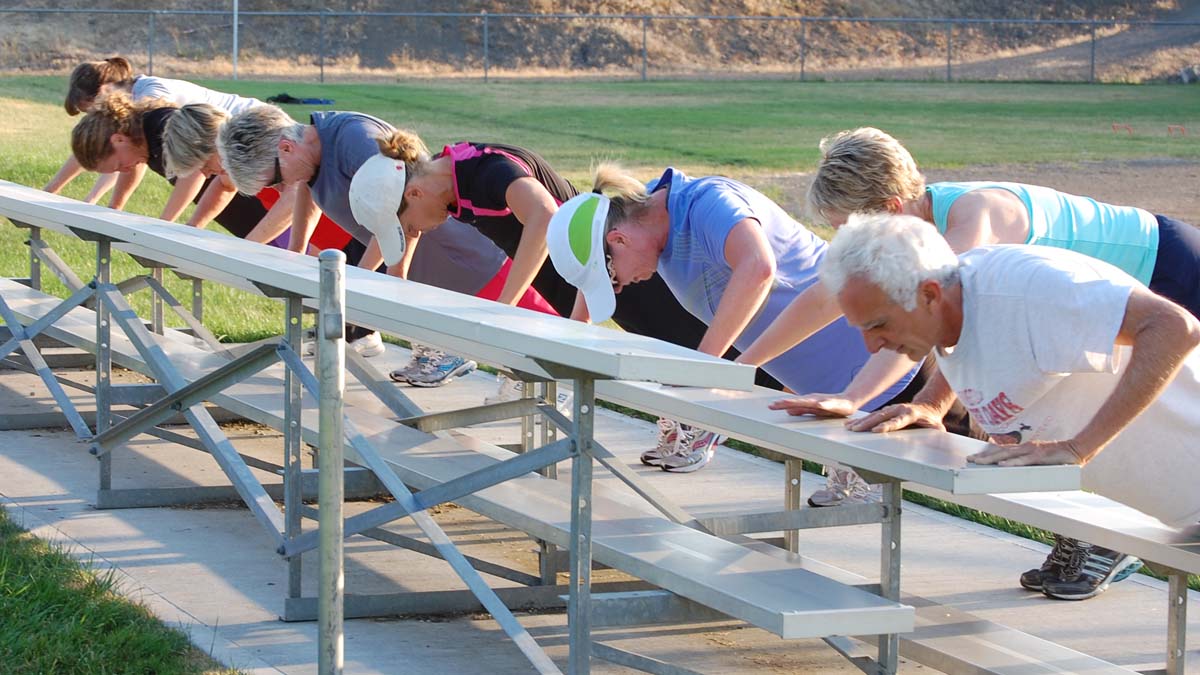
1177	267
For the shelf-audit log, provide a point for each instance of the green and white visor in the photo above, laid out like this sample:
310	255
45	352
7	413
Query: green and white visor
575	238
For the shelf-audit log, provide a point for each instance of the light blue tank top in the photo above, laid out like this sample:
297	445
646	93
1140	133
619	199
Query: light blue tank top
1124	236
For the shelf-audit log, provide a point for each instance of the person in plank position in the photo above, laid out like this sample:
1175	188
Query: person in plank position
1060	357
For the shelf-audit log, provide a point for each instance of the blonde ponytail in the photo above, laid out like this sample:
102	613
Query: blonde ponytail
627	195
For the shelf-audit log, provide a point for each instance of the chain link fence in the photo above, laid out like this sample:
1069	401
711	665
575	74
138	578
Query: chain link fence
333	46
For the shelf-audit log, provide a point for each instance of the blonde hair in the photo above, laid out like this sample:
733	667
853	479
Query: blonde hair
249	145
89	76
113	113
896	253
190	138
627	195
859	171
407	147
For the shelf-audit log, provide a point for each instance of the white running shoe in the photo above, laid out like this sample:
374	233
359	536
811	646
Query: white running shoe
367	346
441	368
508	389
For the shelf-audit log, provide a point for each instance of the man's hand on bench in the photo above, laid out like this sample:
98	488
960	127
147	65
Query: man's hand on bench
1029	453
899	416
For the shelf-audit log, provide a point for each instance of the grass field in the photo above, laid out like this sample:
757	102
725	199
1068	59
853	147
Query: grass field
57	616
743	129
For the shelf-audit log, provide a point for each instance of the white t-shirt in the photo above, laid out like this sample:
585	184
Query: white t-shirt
183	93
1036	359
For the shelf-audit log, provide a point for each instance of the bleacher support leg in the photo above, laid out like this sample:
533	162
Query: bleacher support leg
793	469
1177	622
35	263
331	373
889	570
547	569
292	444
579	610
104	358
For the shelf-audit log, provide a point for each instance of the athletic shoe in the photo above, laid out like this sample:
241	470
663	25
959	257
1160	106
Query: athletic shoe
844	486
509	389
694	449
367	346
668	432
1052	567
1088	572
418	357
441	368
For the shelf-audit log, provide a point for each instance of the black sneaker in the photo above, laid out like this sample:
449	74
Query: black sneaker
1059	556
1089	571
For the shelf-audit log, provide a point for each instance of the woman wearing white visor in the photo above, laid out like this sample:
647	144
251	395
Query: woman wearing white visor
731	256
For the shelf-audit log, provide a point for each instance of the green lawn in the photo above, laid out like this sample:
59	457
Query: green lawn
57	616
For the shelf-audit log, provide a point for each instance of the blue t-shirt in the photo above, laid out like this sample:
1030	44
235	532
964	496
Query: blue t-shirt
454	256
703	211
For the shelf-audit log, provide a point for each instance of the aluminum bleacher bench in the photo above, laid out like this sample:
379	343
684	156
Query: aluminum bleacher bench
264	383
934	463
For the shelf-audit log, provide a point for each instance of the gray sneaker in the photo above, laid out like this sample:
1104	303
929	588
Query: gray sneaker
1060	555
1089	571
416	360
441	368
694	449
668	432
843	486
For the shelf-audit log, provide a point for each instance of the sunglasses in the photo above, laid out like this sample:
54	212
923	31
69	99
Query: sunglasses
278	177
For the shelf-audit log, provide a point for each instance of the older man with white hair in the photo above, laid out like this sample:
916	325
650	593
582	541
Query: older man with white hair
1061	358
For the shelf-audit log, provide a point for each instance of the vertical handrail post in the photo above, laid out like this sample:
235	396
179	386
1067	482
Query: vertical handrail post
579	601
331	369
293	444
104	357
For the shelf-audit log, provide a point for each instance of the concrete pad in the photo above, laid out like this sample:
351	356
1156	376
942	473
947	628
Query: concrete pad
213	572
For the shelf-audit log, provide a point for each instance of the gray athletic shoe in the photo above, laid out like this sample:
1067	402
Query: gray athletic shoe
416	360
441	368
1089	571
668	432
843	486
694	449
1060	555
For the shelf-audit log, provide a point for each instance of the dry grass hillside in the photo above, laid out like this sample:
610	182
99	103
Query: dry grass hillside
540	45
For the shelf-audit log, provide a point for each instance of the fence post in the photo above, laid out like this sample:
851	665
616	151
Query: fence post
235	38
949	50
321	55
803	45
331	375
485	46
1092	69
150	46
645	57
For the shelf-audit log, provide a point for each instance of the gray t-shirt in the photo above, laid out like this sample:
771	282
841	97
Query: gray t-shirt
455	256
